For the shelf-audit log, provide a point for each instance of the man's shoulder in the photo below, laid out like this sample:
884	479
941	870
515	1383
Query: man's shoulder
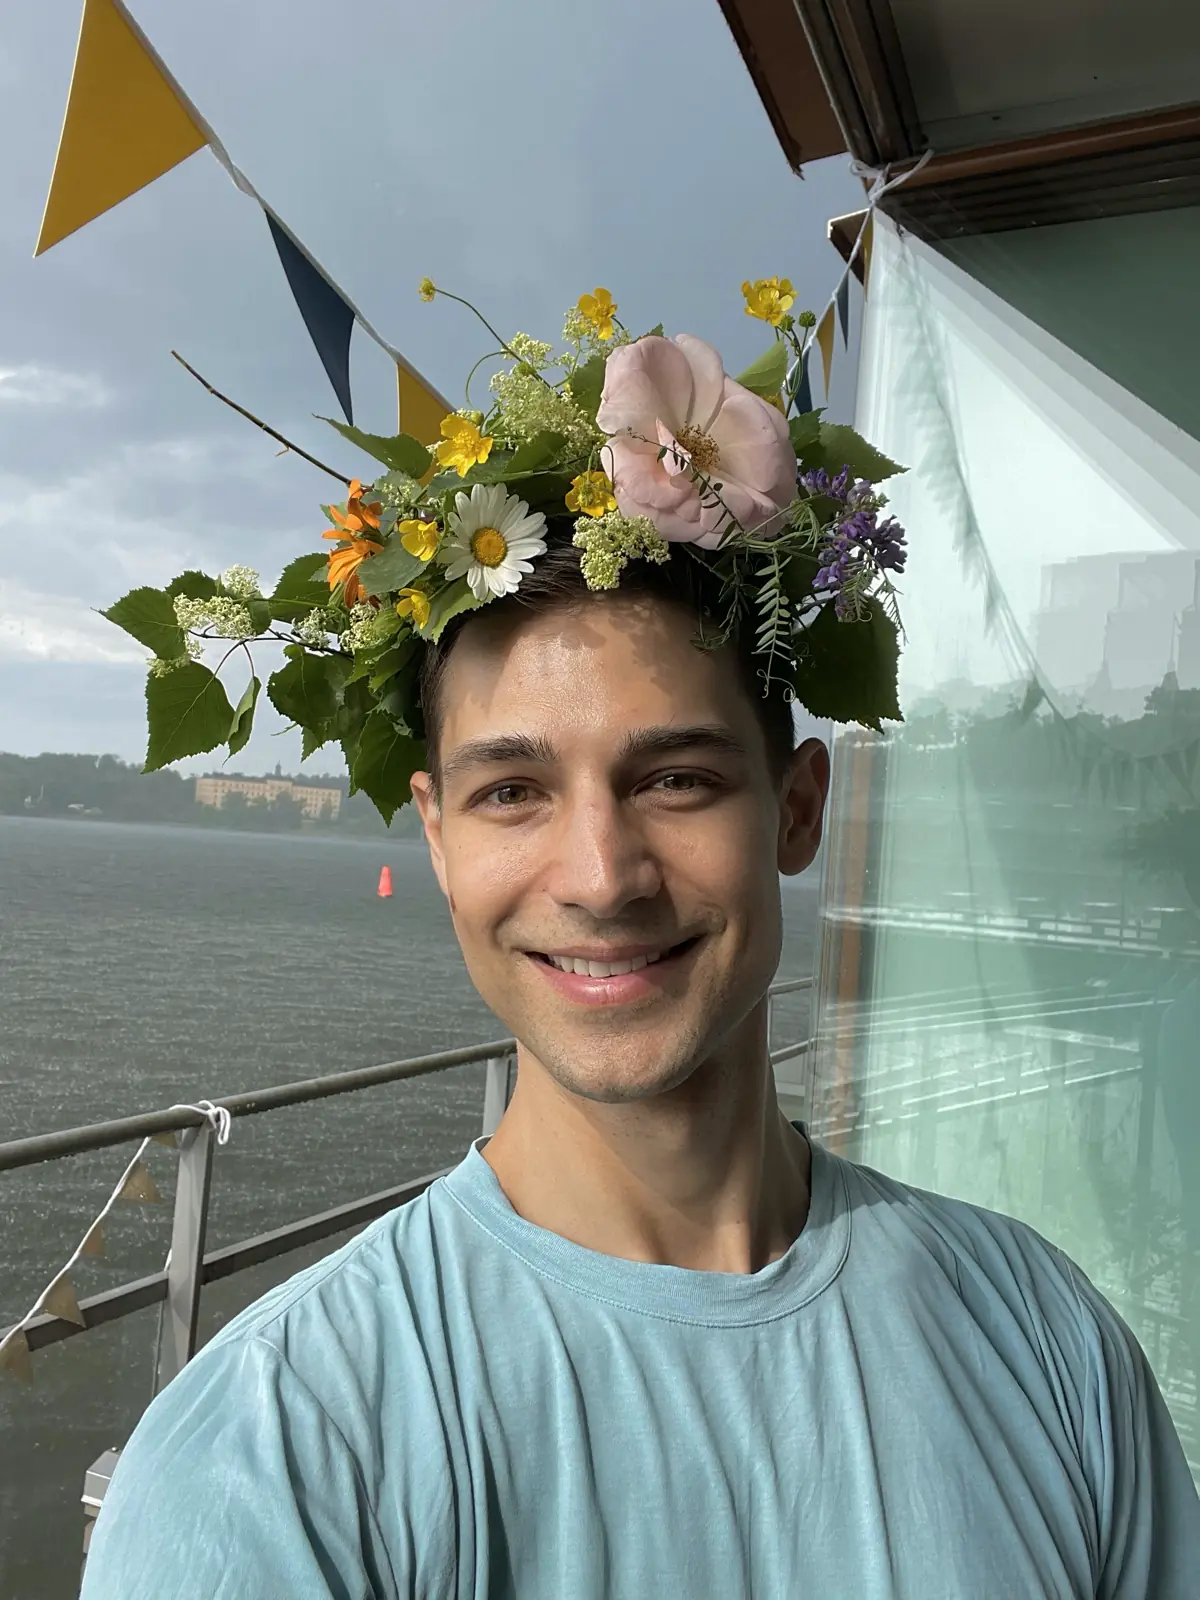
377	1280
1001	1268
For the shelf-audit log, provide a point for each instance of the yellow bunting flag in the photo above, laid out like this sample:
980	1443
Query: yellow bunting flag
93	1245
825	339
421	411
60	1301
868	240
139	1185
16	1358
168	1138
127	122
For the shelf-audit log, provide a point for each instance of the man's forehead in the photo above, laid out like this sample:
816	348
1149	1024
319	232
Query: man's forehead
574	669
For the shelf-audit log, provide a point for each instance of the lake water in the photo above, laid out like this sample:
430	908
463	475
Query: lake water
144	966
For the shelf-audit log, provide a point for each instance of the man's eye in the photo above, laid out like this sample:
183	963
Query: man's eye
509	794
681	782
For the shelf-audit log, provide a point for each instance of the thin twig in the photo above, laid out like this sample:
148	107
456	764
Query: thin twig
258	422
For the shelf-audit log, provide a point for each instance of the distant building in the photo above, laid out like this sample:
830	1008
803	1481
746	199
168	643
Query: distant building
312	800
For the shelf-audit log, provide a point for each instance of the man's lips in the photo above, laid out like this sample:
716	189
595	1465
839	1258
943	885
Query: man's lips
612	977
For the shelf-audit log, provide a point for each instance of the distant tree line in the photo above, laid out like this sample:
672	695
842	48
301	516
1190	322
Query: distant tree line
103	787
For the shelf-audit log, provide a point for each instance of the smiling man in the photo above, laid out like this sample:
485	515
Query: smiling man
649	1339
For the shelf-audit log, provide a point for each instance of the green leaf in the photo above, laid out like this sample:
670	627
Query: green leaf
456	597
149	615
393	568
540	451
299	590
188	712
308	688
494	470
385	760
243	717
847	670
656	332
196	585
765	376
401	452
260	614
805	429
838	446
312	740
586	384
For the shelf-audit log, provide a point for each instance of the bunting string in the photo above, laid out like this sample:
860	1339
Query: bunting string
58	1298
128	121
837	309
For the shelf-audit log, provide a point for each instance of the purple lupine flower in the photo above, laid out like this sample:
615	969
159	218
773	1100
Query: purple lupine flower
858	543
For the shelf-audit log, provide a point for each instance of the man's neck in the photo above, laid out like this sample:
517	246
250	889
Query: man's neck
716	1181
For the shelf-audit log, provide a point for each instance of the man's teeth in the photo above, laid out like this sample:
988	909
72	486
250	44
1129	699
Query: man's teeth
603	969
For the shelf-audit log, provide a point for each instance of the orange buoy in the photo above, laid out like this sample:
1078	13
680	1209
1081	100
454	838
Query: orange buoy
385	883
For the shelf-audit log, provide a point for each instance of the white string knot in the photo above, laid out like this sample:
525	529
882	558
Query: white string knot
884	178
217	1117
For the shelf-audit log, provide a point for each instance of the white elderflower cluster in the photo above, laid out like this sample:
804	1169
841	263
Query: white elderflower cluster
162	666
220	615
529	406
241	582
314	627
397	493
535	353
610	542
369	625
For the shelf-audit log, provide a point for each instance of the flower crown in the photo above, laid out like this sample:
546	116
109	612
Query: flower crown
641	443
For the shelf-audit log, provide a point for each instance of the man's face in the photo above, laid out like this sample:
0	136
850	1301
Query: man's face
609	839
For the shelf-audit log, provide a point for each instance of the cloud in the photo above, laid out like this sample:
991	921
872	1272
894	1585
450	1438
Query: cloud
32	384
45	627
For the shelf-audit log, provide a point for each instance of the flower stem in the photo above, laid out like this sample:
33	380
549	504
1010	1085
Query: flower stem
258	422
510	353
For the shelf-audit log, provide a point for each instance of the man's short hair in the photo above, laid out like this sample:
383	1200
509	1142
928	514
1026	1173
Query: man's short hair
557	581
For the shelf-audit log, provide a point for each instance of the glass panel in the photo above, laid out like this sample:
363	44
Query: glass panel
1010	1006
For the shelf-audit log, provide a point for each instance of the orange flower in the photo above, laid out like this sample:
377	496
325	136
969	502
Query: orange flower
351	525
345	561
357	517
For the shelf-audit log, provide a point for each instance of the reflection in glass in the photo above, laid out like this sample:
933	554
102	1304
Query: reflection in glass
1010	971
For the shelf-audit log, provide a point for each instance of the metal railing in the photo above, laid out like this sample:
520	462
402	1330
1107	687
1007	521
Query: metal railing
189	1267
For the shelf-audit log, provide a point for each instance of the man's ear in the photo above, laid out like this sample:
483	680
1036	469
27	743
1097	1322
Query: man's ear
802	807
431	820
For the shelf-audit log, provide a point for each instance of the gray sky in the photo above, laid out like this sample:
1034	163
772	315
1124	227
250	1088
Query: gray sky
517	154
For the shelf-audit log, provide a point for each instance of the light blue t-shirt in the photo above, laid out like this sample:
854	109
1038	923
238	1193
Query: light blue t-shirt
918	1401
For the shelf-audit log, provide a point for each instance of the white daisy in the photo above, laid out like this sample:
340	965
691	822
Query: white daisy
492	538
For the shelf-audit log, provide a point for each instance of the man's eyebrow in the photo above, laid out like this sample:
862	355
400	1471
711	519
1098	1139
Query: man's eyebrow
501	749
505	748
668	740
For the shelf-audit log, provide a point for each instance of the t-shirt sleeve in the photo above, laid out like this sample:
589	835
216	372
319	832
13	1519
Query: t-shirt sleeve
1149	1510
236	1485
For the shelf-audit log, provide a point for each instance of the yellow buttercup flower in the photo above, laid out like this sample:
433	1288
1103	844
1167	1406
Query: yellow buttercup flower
599	309
591	493
462	445
769	299
427	288
413	603
419	538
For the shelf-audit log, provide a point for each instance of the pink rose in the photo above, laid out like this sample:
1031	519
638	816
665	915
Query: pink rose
674	393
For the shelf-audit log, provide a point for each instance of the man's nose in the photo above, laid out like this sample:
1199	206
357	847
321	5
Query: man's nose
602	858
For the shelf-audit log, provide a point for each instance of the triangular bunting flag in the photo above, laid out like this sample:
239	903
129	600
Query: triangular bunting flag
139	1185
16	1358
804	399
843	307
327	317
420	412
60	1301
168	1138
93	1245
825	340
127	122
868	239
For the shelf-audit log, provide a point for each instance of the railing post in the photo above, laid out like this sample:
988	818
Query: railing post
181	1311
497	1091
